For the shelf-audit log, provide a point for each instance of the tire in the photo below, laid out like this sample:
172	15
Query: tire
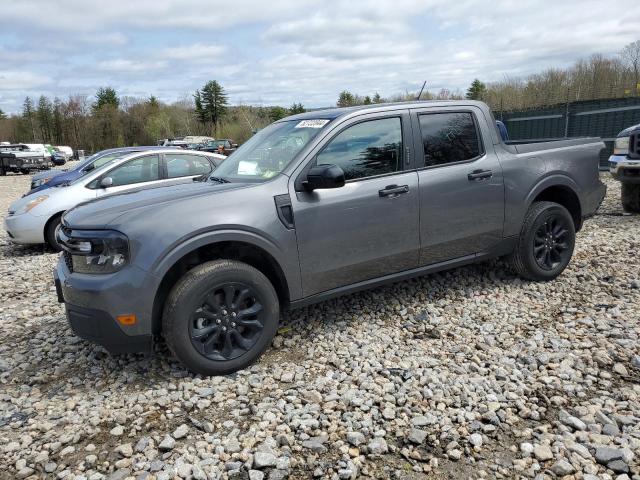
202	318
24	171
546	242
631	197
50	232
2	172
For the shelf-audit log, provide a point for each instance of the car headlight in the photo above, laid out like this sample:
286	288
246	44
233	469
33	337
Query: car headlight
32	204
39	182
95	251
621	146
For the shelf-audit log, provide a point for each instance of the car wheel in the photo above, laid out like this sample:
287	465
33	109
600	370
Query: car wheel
546	242
220	317
2	172
24	171
631	197
50	232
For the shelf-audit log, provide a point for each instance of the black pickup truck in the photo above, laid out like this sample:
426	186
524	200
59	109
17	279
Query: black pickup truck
18	158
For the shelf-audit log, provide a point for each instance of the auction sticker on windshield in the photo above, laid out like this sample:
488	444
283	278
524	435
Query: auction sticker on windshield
312	124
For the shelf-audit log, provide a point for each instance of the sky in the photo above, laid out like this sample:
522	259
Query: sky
285	51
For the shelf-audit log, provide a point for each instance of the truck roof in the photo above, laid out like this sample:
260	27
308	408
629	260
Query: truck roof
332	113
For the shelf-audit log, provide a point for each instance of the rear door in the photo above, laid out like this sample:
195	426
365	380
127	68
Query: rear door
461	183
369	227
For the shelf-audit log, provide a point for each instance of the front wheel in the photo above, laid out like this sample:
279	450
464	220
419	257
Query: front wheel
546	242
220	317
631	197
50	232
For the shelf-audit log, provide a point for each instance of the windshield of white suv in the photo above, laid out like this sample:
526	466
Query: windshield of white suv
269	151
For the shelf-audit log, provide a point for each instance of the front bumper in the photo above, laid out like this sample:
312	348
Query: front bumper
93	302
624	169
24	228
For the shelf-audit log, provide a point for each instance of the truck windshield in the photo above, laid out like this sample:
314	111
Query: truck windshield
268	152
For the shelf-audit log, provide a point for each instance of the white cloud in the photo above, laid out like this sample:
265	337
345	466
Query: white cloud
296	50
20	80
123	65
195	51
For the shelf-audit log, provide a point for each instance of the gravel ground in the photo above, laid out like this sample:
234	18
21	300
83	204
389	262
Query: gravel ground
470	373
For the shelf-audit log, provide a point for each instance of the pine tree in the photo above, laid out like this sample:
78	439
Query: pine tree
367	100
211	104
346	99
28	116
2	115
45	118
477	90
377	98
106	96
276	113
296	108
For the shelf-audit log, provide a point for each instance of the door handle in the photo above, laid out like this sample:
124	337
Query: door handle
480	175
393	190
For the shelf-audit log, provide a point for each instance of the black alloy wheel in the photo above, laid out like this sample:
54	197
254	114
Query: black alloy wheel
228	322
220	317
550	245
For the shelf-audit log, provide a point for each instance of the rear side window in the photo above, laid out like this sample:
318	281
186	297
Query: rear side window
366	149
449	138
183	165
139	170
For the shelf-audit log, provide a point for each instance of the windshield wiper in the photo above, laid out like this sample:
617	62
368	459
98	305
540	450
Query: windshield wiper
219	179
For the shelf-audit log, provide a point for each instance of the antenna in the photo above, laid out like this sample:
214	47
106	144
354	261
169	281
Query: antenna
420	94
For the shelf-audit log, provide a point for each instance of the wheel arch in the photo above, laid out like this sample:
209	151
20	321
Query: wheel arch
196	253
48	222
561	190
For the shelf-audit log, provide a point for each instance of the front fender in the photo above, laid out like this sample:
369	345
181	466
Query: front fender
286	259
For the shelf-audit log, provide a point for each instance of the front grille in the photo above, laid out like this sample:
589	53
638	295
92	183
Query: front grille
68	261
634	146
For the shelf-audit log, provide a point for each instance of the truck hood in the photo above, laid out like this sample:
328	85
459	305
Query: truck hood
99	213
628	131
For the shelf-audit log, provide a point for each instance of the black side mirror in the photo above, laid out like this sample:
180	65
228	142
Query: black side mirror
324	176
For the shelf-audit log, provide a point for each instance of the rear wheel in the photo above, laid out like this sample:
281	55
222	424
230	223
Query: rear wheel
2	172
50	232
220	317
631	197
24	171
546	242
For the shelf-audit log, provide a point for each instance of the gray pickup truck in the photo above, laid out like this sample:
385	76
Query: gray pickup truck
313	206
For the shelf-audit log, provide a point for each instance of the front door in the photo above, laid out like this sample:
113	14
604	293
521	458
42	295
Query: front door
369	227
461	184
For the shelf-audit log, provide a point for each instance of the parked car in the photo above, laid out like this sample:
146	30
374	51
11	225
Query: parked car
314	206
624	166
18	157
35	218
58	158
223	146
52	178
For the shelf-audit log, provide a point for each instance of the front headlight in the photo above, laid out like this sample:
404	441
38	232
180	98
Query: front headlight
621	146
95	251
32	204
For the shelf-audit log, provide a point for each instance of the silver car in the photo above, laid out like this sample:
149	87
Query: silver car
35	218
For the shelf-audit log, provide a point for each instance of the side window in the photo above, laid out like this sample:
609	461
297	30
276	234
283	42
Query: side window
366	149
142	169
183	165
448	138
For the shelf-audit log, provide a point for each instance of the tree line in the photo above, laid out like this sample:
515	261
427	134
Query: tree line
108	120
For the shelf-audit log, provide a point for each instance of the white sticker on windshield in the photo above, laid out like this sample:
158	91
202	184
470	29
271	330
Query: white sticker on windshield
247	168
312	124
